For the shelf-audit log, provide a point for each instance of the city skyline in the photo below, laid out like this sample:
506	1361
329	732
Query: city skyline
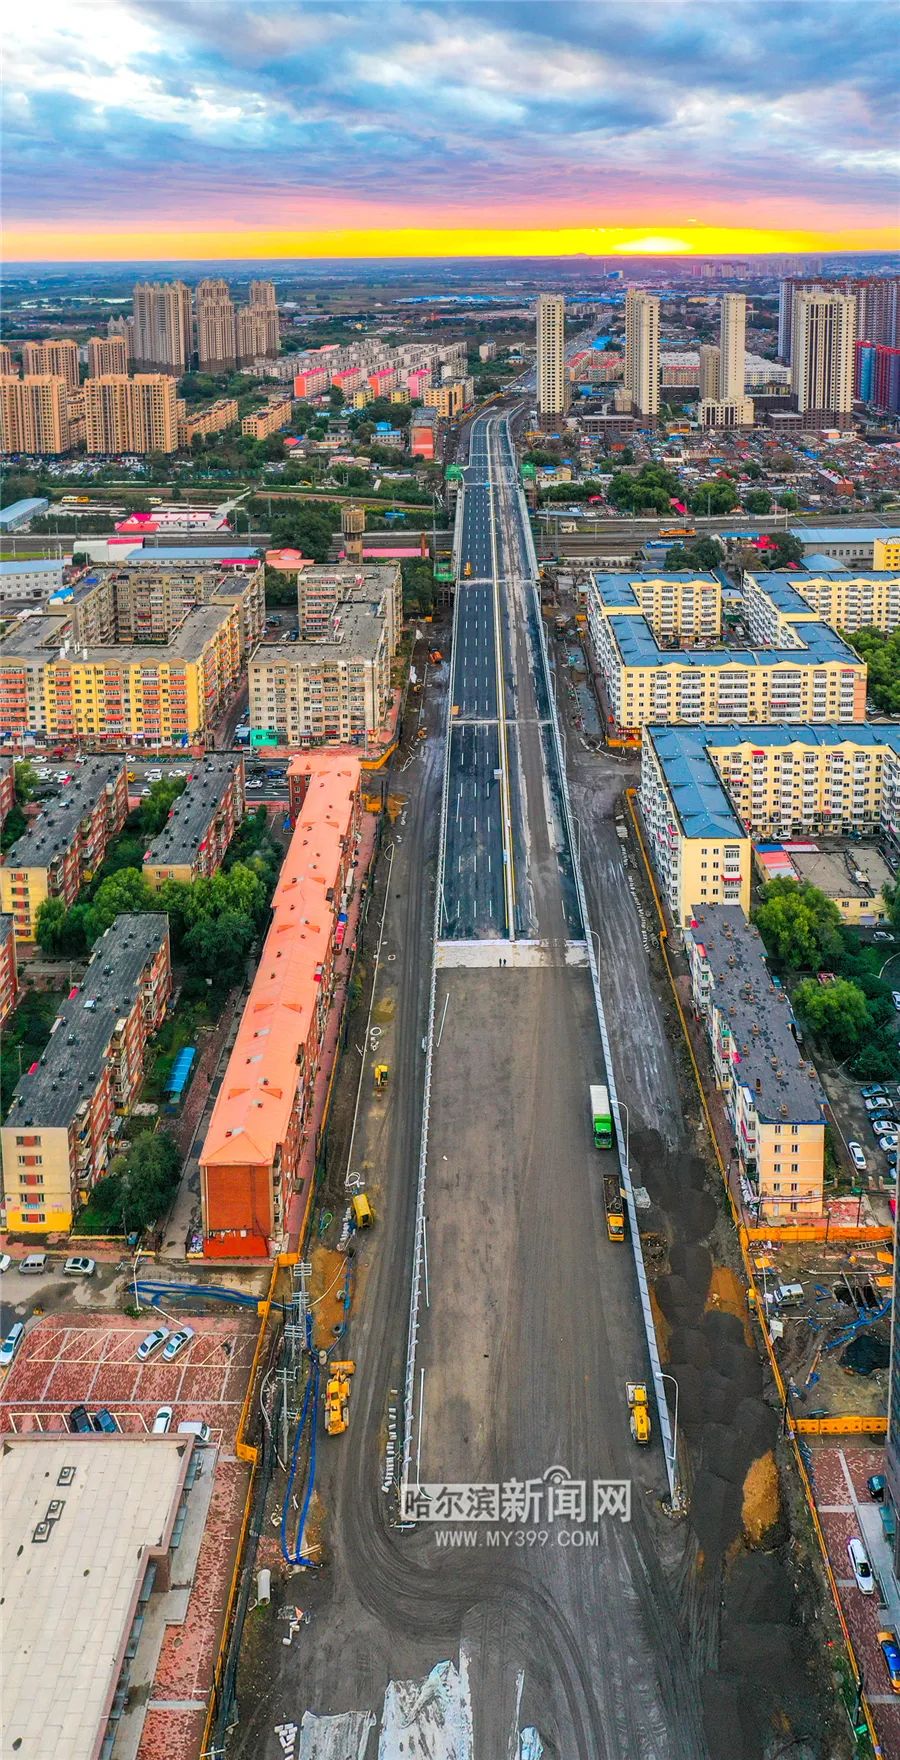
147	130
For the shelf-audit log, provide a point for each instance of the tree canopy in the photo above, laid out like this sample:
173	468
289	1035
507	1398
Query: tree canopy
801	928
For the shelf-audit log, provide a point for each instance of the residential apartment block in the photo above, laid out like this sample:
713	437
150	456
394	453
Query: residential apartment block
706	791
823	353
7	787
250	1160
216	339
65	845
552	380
58	1137
214	418
147	651
56	358
641	380
450	399
776	603
813	677
263	422
107	354
336	684
162	340
9	970
203	820
34	415
136	415
773	1097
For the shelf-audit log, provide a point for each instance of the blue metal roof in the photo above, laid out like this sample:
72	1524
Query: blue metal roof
181	1069
842	534
698	794
38	565
817	564
23	509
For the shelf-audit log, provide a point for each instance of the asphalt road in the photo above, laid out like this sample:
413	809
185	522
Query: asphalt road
530	1330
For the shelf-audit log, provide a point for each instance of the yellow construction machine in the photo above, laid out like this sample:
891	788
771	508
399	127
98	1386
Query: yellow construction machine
337	1398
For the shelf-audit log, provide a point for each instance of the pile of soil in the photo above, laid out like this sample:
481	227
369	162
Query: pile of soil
755	1680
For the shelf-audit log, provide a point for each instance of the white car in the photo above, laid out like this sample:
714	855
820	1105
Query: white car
79	1267
153	775
11	1344
5	1262
895	998
152	1343
162	1421
889	1141
253	785
177	1342
860	1566
857	1156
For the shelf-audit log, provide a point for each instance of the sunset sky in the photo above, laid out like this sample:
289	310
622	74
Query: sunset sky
146	129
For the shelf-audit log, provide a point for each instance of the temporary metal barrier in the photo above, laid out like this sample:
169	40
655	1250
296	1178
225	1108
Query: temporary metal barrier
419	1226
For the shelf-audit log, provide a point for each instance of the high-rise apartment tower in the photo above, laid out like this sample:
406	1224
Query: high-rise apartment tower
642	351
552	384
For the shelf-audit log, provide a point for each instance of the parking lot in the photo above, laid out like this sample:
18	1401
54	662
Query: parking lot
70	1359
847	1511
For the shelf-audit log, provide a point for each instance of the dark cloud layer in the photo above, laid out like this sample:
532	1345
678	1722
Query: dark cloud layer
541	114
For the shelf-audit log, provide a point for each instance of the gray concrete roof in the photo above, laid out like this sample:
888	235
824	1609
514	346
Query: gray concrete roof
768	1060
69	1067
54	829
181	836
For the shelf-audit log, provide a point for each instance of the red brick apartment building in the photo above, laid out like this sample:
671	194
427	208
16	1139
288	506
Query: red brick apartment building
251	1156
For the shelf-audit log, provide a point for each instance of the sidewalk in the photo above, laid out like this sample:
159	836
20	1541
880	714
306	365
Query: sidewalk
298	1205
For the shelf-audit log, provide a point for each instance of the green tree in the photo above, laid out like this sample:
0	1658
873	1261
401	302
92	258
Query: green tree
16	486
14	826
125	891
154	810
758	501
217	947
308	529
837	1014
789	500
787	549
718	495
799	925
49	926
27	781
149	1173
882	656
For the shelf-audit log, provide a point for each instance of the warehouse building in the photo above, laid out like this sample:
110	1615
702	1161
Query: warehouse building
854	545
58	1137
30	582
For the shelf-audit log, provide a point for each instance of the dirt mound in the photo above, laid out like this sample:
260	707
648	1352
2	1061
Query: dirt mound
761	1508
715	1514
758	1591
723	1452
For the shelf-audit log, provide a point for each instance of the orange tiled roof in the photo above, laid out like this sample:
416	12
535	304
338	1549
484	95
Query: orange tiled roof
253	1109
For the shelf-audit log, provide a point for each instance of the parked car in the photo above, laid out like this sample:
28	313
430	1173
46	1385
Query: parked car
875	1487
104	1420
875	1091
79	1267
878	1103
177	1342
33	1264
884	1125
153	775
253	784
79	1421
193	1427
889	1141
11	1344
162	1421
895	998
857	1156
888	1646
151	1343
882	935
6	1260
860	1566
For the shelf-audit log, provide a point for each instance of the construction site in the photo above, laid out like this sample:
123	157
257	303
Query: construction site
828	1305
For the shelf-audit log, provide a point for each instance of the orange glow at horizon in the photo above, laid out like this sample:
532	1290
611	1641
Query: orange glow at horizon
196	244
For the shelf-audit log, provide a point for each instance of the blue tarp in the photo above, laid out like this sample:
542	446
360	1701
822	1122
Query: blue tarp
181	1069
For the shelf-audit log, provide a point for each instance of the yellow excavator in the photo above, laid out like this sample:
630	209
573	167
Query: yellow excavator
337	1398
381	1076
638	1412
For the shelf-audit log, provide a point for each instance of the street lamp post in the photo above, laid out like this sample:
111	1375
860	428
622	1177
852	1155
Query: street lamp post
674	1460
